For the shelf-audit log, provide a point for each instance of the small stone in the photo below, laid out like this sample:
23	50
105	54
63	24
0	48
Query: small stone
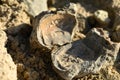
102	16
53	29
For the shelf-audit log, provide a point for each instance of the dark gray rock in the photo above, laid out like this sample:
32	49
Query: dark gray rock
85	56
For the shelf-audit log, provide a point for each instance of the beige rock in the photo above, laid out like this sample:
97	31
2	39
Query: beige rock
102	16
53	29
3	41
95	52
7	66
36	6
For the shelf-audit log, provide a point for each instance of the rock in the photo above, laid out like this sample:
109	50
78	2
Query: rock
6	12
3	39
53	29
102	17
36	6
116	36
8	69
86	56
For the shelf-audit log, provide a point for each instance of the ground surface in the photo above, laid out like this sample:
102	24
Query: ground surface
34	63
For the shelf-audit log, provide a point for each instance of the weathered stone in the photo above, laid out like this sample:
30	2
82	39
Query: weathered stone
7	67
53	29
102	17
36	6
3	39
85	56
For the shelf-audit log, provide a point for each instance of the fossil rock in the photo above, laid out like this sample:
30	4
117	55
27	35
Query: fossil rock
7	67
53	29
85	56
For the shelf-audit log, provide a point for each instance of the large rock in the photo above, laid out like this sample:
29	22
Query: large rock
86	56
8	69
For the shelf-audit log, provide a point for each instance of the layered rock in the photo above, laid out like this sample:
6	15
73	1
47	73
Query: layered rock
53	29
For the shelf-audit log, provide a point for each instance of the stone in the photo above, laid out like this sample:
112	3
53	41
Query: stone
8	70
83	57
53	29
36	6
102	16
3	41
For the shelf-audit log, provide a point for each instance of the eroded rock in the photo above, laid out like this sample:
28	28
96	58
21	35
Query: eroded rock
85	56
8	69
53	29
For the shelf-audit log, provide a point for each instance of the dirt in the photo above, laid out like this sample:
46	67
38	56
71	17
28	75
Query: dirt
32	62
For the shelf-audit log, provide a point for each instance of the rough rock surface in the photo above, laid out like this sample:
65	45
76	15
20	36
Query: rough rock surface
34	7
52	25
74	59
8	69
12	14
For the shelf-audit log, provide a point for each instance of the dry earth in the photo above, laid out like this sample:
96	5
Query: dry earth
34	63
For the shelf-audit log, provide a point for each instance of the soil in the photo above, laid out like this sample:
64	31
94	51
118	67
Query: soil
32	63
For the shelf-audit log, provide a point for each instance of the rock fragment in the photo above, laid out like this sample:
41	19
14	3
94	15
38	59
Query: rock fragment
53	29
86	56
